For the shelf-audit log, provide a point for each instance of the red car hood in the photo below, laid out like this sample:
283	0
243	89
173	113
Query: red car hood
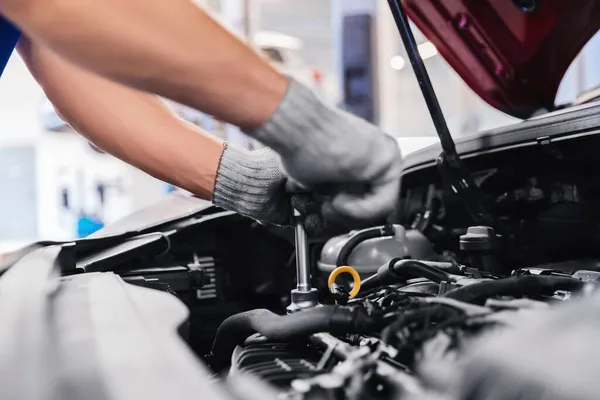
512	58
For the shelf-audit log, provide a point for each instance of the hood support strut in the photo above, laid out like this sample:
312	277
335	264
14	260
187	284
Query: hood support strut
451	167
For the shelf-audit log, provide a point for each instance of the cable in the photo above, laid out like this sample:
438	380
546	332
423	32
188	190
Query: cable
359	237
399	270
162	235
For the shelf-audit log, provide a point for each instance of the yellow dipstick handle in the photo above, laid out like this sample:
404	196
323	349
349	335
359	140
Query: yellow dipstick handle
348	270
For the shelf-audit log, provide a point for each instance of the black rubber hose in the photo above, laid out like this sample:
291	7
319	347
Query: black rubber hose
533	286
358	238
399	270
276	328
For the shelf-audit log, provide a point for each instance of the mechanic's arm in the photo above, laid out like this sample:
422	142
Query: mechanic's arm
175	49
133	126
138	128
172	48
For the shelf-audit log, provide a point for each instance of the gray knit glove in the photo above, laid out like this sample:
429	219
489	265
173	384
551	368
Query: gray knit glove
253	184
335	153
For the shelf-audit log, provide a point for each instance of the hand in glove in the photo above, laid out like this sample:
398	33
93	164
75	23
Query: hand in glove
333	152
253	184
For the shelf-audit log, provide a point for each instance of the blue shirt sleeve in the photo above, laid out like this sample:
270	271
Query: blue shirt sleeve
9	36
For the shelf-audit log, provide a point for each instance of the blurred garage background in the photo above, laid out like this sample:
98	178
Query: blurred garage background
54	185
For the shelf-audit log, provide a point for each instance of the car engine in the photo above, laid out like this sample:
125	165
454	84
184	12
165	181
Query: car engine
406	330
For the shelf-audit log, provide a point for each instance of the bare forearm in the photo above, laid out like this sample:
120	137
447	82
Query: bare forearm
172	48
131	125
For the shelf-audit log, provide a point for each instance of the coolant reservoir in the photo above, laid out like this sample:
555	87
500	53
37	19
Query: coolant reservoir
373	252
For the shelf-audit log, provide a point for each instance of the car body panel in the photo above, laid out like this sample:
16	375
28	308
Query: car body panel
513	59
559	125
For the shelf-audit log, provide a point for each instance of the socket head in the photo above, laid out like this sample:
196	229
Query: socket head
302	300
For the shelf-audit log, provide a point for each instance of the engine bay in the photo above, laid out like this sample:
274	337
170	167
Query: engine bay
416	326
432	286
403	307
404	335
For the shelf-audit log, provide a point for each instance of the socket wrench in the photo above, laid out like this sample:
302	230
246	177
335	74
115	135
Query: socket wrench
304	296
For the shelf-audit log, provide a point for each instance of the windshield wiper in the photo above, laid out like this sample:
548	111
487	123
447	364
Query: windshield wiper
451	167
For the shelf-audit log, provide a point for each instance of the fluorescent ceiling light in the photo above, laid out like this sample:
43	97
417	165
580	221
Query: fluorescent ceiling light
427	50
397	62
278	40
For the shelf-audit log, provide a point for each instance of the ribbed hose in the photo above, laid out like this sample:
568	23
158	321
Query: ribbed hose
332	319
358	238
531	285
399	270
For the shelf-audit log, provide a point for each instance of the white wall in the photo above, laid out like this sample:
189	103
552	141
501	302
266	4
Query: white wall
389	89
19	96
583	74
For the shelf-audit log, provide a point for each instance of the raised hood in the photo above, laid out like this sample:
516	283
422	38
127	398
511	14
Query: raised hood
512	53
